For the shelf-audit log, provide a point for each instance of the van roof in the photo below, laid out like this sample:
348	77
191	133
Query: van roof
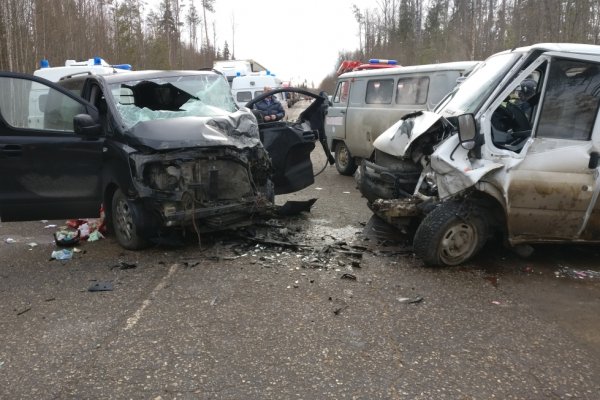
563	47
451	66
255	81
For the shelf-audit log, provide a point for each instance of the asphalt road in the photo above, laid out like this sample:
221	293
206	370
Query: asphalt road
334	316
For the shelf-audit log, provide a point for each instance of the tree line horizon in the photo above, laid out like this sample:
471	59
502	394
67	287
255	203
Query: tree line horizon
179	35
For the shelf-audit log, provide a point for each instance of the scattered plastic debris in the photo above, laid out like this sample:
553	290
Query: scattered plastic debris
348	276
568	272
63	254
496	302
32	245
94	236
66	238
410	300
10	241
101	287
50	226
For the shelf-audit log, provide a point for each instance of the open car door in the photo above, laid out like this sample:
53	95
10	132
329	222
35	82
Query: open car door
289	144
50	151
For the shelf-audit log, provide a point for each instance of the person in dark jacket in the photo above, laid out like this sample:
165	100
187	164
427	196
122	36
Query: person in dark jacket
270	108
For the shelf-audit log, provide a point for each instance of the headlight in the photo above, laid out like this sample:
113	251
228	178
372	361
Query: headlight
162	177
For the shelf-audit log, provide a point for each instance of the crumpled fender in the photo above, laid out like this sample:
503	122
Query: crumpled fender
397	139
455	171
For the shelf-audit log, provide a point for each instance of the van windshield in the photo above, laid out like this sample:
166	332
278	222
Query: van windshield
172	97
476	89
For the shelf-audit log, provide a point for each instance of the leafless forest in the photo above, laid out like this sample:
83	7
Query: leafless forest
177	34
121	31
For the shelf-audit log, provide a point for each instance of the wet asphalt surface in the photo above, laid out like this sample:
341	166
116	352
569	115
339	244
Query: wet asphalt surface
335	315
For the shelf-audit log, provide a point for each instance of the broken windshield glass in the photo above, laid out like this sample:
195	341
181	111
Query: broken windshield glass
172	97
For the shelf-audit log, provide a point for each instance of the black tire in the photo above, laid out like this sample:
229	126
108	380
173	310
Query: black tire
451	234
125	213
344	162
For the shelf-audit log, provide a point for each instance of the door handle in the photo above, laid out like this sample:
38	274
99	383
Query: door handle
11	150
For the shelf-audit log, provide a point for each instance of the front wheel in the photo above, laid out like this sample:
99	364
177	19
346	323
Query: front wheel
451	234
344	162
125	213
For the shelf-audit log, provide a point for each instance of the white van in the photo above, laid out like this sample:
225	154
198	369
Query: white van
248	87
38	94
234	68
368	102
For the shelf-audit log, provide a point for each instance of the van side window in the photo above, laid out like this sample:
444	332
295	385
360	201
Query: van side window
571	101
412	90
243	97
380	91
341	94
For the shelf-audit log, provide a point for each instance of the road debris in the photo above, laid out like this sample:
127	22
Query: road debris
66	238
124	265
292	207
24	311
63	254
10	241
101	287
568	272
410	300
348	276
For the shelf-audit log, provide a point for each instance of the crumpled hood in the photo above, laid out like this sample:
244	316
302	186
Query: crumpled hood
239	129
398	138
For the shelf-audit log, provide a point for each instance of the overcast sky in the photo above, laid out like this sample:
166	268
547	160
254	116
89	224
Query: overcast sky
295	39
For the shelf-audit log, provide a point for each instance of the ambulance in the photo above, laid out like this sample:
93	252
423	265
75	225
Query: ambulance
247	87
39	93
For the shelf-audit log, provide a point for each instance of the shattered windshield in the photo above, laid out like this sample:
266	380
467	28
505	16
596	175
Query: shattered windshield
172	97
477	88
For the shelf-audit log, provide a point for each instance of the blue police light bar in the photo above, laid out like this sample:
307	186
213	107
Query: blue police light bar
126	67
44	63
382	61
268	72
97	61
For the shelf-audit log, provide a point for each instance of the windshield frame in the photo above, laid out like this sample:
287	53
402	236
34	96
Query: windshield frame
476	90
212	84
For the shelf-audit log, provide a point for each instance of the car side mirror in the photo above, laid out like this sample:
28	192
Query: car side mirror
594	158
84	125
467	131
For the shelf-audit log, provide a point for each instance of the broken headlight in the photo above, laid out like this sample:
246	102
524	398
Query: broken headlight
162	177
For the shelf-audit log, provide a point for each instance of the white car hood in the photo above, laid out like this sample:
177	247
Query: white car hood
397	139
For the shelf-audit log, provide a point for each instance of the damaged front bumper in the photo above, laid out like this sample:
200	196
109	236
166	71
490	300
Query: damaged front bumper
210	188
379	182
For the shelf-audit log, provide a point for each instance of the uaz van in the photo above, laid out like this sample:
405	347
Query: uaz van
366	103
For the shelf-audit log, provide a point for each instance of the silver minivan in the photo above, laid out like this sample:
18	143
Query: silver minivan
366	103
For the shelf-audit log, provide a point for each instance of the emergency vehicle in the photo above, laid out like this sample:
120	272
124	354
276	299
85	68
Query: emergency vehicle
247	87
38	94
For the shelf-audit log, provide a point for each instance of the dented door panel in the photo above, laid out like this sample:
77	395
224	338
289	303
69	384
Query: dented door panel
549	192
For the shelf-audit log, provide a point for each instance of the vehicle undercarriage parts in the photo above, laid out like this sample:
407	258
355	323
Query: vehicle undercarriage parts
377	182
292	207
